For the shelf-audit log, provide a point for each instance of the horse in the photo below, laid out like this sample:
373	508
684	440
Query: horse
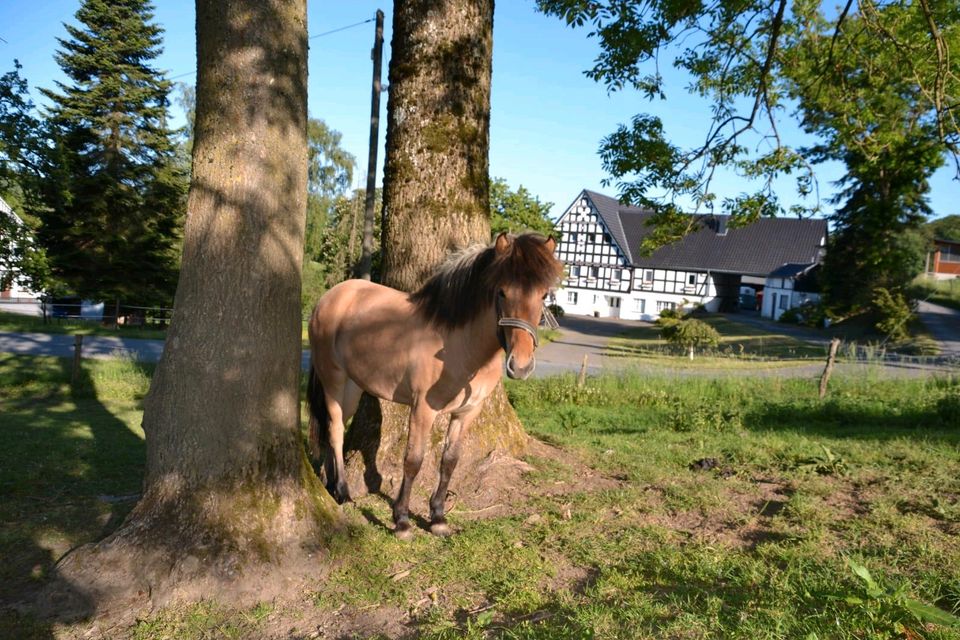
439	350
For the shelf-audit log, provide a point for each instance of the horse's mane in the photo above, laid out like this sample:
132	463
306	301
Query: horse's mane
465	284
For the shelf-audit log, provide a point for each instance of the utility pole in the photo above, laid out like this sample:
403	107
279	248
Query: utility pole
366	257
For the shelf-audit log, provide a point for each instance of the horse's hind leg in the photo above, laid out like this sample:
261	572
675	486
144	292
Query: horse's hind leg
421	419
451	455
341	402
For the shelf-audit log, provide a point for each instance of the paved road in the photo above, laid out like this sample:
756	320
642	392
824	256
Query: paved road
944	324
581	336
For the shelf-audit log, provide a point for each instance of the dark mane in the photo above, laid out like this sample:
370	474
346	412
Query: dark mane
464	286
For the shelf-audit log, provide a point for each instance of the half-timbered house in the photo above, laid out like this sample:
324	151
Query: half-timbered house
608	277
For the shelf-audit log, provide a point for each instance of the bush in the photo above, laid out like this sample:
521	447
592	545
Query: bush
893	312
556	310
690	334
790	316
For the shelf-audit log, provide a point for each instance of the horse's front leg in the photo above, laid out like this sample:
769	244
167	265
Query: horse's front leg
451	455
421	420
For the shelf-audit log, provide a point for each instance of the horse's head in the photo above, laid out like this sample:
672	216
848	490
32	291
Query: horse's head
530	271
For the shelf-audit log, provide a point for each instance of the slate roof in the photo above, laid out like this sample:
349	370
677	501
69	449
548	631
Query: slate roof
756	249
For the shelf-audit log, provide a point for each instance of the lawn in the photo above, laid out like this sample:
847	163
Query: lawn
738	340
731	507
943	292
18	323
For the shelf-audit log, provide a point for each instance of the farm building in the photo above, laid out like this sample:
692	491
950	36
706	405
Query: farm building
607	276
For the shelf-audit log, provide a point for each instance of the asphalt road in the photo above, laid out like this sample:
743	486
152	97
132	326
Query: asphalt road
580	337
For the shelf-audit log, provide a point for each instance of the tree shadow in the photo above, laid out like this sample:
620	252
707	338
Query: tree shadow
839	418
71	471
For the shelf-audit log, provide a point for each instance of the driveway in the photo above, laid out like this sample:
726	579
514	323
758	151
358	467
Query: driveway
943	324
580	336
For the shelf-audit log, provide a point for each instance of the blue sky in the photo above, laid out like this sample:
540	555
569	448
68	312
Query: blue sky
547	118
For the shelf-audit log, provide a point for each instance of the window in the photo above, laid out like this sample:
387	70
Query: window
594	272
663	305
692	278
572	297
575	271
640	305
949	254
573	236
648	275
617	274
594	298
784	301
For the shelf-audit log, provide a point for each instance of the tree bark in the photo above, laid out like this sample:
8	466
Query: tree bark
436	201
229	497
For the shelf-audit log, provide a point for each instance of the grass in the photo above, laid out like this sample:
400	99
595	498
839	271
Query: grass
18	323
738	340
942	292
806	500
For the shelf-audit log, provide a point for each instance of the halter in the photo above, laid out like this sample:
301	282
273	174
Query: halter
516	323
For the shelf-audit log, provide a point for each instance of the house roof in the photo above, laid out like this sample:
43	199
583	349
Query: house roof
756	249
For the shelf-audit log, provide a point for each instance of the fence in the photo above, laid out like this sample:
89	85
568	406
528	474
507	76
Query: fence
71	310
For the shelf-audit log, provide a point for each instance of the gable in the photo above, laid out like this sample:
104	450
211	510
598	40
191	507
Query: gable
586	237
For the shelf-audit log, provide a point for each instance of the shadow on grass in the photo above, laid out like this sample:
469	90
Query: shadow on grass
874	419
70	471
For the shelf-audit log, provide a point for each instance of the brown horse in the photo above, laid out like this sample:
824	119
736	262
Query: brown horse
438	350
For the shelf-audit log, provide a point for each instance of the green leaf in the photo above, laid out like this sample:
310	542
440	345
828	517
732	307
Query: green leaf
864	574
929	613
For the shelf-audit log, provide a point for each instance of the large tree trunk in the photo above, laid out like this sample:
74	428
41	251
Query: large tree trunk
228	494
436	200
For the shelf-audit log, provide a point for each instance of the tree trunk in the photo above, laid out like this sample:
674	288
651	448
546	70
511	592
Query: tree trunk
229	499
436	201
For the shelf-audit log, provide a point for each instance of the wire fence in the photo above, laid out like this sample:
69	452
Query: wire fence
71	310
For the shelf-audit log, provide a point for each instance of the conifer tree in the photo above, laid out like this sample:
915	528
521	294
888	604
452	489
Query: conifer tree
115	191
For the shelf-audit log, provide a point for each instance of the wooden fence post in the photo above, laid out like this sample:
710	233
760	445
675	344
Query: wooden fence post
77	357
827	370
582	377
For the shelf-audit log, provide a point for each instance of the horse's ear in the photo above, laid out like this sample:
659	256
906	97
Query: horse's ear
503	242
550	244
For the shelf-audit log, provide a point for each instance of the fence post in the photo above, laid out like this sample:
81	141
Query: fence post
827	370
582	378
77	357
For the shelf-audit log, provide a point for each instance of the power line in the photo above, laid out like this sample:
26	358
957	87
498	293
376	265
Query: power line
319	35
337	30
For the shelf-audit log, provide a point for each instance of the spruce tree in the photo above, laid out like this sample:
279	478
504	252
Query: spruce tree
115	191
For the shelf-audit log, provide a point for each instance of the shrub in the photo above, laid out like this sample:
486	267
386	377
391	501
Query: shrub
556	310
690	334
893	312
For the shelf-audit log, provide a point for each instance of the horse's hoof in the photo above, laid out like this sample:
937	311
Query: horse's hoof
441	529
403	531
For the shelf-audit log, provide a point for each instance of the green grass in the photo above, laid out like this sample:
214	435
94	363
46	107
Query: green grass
18	323
738	340
808	498
943	292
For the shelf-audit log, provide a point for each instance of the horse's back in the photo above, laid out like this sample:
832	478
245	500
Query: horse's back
366	330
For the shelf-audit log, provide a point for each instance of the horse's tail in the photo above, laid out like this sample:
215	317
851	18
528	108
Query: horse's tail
319	418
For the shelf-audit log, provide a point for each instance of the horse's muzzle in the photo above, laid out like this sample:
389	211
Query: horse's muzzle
520	373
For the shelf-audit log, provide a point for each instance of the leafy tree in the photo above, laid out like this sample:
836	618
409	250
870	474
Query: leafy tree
338	246
23	142
329	174
871	115
737	56
228	497
517	211
114	188
22	261
945	228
